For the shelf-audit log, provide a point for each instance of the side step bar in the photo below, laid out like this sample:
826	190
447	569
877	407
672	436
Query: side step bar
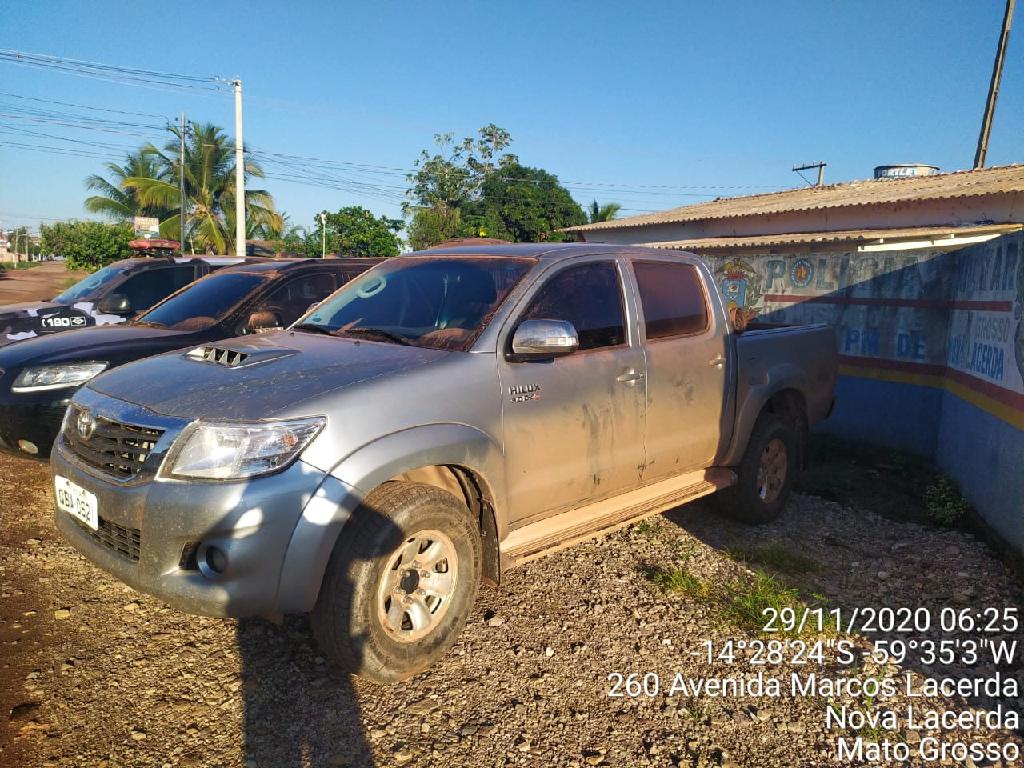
568	528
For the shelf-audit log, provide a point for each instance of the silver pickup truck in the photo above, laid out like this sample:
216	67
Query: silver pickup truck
443	417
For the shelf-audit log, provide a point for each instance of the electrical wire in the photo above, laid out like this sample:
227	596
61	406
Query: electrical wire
113	73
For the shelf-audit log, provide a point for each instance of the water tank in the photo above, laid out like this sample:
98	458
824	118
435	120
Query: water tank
903	170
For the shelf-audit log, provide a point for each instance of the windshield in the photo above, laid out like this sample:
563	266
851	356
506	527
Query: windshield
86	286
440	302
204	303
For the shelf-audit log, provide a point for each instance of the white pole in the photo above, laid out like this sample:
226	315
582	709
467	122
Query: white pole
323	235
239	175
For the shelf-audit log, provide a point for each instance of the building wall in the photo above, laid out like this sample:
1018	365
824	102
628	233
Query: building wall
931	347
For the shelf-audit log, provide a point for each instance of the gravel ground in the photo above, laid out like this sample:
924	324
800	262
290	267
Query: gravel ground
94	674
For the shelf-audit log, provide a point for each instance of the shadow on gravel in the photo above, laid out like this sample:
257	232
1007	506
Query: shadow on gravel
298	711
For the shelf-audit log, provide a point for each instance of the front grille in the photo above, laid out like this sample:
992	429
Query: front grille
125	541
114	448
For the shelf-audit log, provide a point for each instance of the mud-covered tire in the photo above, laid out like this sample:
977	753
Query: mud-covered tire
353	622
761	492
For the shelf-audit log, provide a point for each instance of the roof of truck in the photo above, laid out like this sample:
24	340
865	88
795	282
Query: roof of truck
529	250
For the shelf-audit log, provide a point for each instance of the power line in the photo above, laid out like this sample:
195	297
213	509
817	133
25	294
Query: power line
80	106
111	72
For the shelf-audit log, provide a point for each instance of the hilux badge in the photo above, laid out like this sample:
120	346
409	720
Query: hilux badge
85	424
521	393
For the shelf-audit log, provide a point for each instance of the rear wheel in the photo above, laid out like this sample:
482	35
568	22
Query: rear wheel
400	583
765	473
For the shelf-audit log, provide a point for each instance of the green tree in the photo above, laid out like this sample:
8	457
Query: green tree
454	174
118	202
289	238
209	190
450	178
86	244
604	212
433	225
355	231
523	204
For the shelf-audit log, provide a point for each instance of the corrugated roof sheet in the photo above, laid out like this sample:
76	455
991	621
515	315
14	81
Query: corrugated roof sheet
859	236
986	181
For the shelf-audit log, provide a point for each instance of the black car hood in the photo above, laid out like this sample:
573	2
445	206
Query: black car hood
36	318
254	377
114	343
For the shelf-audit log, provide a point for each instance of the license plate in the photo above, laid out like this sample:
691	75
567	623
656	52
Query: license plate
76	501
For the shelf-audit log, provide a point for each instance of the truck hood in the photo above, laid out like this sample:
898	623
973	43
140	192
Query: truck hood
25	320
105	342
255	377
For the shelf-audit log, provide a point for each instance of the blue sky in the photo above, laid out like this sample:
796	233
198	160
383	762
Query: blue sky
705	98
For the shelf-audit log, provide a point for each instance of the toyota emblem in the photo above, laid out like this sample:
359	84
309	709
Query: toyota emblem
85	424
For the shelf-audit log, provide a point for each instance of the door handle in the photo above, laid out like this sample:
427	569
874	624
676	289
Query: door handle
717	362
631	376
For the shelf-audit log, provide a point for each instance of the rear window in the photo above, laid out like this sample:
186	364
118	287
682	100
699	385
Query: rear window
672	298
203	303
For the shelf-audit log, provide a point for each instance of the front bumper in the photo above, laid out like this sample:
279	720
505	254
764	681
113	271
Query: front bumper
31	421
250	521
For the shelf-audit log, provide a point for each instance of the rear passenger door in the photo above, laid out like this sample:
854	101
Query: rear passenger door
147	288
685	353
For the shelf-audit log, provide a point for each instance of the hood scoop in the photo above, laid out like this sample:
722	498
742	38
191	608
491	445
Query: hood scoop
236	358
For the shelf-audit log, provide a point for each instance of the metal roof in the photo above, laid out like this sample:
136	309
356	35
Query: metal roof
858	236
974	183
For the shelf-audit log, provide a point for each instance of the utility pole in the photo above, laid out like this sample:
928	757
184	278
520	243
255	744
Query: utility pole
323	235
183	213
820	165
239	175
993	88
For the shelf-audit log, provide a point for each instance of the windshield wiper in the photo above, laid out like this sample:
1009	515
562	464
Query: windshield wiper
312	328
381	335
147	324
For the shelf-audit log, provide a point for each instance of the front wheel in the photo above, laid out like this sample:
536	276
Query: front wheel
400	583
765	473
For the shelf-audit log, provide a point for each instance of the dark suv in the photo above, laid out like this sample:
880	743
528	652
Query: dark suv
114	294
38	377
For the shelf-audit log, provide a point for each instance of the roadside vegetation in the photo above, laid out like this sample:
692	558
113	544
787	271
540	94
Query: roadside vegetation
469	188
739	602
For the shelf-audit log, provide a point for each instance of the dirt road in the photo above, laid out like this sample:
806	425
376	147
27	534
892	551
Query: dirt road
42	282
93	674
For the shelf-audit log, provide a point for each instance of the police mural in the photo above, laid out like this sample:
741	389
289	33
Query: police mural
927	309
891	305
986	337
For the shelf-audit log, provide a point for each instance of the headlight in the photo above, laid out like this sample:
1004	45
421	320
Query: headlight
230	450
41	377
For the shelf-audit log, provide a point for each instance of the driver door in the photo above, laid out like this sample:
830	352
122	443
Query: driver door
574	425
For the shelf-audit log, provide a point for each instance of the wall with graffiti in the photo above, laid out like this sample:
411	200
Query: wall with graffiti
931	347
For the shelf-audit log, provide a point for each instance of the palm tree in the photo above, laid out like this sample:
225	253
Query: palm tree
118	202
602	212
209	189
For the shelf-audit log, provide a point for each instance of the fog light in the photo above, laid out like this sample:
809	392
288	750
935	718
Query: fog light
29	447
212	561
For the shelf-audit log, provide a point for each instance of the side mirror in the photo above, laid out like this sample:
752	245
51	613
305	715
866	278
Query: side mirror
543	340
115	304
262	321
